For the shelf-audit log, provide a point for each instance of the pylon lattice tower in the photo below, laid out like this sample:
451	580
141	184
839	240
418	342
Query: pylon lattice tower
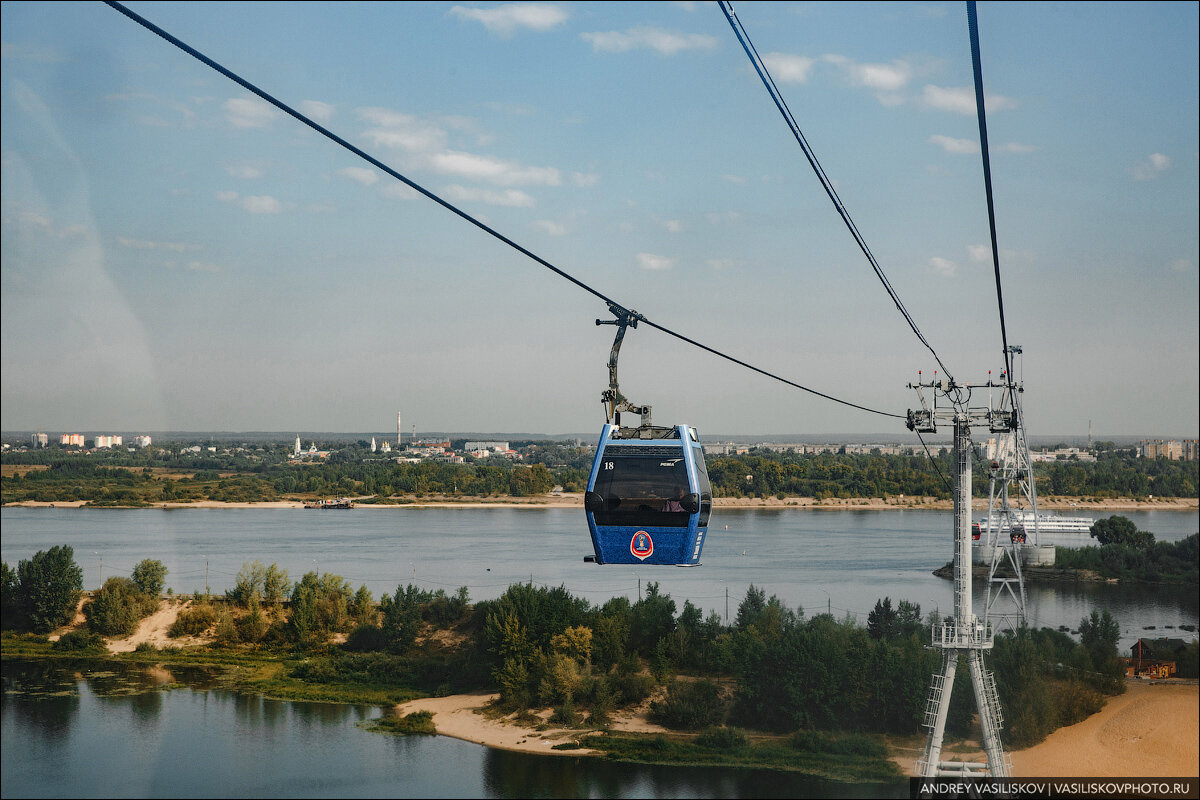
965	635
1012	516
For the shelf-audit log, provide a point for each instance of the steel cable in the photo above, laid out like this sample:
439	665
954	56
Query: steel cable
459	212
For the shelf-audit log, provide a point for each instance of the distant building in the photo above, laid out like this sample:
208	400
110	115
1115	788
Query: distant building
1169	449
386	447
105	442
72	440
296	448
39	440
141	441
372	444
486	446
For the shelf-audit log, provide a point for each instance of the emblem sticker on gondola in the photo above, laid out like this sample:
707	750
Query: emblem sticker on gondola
641	545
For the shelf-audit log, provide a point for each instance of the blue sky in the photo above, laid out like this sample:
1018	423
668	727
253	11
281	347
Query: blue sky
177	255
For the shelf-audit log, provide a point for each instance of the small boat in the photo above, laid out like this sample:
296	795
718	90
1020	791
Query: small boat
337	502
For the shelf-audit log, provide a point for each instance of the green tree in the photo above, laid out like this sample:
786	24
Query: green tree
149	576
1121	530
116	608
8	597
883	621
48	588
249	584
652	618
401	614
275	585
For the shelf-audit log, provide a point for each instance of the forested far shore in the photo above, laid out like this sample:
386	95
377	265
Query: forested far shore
271	474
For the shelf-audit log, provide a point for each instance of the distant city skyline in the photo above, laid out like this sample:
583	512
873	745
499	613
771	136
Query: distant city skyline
177	255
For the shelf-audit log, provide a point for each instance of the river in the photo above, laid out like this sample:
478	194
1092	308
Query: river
101	730
94	729
837	561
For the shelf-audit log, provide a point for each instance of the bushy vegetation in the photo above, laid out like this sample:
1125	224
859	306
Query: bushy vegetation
80	642
690	705
194	620
1147	562
121	603
117	607
416	723
1047	680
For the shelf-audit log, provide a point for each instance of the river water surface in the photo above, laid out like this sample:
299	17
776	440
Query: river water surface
112	730
838	561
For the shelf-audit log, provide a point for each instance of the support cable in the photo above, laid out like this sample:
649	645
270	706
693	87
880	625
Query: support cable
765	75
977	67
145	23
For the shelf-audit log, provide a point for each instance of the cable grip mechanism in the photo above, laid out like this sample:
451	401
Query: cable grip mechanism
615	402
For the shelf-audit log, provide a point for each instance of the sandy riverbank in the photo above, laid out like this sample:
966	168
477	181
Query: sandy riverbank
1153	729
575	500
462	716
1149	730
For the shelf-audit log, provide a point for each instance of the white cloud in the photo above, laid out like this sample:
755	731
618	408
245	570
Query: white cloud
584	180
885	77
1017	147
943	267
400	191
249	112
145	244
786	68
652	262
402	131
262	204
362	175
956	146
1151	167
674	225
492	170
551	227
979	252
1183	265
506	19
666	43
426	143
321	112
255	204
738	179
721	263
961	100
881	77
512	198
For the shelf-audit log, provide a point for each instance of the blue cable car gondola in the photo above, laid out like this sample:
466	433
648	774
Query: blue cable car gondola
648	499
648	495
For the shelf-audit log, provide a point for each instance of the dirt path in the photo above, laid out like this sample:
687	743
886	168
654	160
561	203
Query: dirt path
153	629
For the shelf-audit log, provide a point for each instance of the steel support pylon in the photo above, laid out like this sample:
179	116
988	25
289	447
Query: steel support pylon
964	635
1012	518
